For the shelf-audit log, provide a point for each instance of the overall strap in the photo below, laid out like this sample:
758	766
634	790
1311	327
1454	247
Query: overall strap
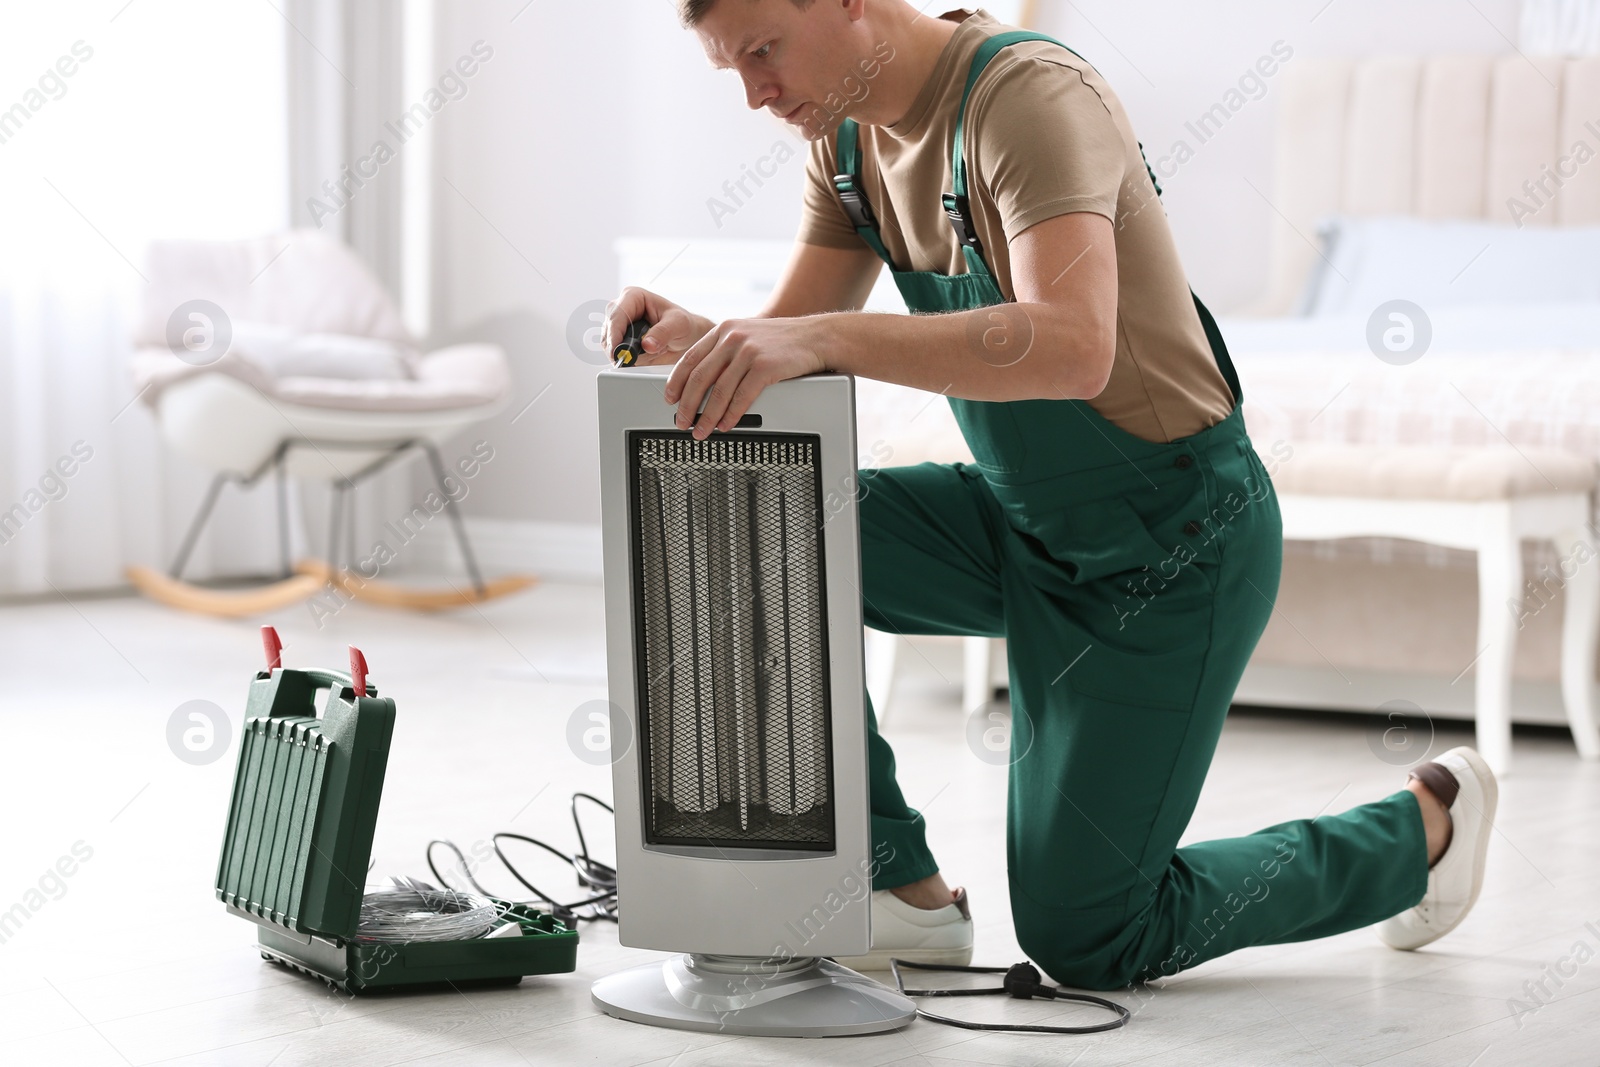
959	209
956	204
851	195
1219	348
854	199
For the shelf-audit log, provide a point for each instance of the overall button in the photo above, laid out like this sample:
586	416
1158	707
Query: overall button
1192	528
1184	462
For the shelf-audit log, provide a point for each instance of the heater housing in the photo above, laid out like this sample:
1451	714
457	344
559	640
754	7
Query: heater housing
734	651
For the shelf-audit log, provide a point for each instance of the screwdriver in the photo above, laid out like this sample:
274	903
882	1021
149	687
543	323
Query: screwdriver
627	351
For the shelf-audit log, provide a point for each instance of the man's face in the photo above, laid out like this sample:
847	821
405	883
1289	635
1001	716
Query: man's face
791	59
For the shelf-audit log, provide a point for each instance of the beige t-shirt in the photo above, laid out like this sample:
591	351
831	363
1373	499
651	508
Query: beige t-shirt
1045	136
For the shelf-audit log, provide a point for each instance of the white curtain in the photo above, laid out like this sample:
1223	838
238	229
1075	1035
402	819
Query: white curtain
163	119
346	69
118	123
1561	27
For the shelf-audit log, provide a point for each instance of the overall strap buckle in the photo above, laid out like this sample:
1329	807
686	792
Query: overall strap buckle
960	211
854	202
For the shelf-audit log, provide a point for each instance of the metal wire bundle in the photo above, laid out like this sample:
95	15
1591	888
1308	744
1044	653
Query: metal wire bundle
407	913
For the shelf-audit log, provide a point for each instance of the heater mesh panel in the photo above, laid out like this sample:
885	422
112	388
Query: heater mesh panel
732	624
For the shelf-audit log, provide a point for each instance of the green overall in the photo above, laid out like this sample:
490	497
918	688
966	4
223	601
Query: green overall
1131	580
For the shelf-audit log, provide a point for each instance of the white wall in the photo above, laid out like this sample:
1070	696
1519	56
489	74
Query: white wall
591	122
599	120
1169	78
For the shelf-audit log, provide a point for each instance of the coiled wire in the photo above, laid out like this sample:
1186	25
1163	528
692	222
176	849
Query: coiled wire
400	914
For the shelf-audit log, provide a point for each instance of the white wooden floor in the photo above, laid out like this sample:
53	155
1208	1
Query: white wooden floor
131	960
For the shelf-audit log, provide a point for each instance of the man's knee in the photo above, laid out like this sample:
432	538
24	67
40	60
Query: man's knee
1088	949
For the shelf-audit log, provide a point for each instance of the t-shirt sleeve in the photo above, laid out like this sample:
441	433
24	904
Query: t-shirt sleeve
822	217
1044	143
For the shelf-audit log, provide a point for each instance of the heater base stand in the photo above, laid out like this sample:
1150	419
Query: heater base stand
753	997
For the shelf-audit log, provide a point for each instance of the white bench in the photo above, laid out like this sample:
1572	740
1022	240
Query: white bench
1486	500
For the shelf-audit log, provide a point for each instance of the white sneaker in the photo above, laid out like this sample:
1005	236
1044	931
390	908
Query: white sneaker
917	935
1455	881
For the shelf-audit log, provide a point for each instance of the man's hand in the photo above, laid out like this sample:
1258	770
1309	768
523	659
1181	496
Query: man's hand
732	363
672	329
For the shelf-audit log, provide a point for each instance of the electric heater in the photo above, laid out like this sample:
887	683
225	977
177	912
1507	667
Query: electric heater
734	646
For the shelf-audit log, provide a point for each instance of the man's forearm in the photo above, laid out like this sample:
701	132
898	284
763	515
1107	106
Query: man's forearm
1003	352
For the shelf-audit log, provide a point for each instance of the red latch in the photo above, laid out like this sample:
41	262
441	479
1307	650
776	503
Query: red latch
358	671
274	647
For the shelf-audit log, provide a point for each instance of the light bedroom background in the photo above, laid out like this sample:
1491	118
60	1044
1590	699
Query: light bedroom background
172	124
221	120
180	119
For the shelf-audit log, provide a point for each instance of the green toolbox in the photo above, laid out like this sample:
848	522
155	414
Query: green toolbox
299	838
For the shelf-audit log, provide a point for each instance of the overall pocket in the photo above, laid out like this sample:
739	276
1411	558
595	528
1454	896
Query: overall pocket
1143	608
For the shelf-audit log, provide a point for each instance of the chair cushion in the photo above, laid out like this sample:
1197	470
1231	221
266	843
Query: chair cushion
283	352
460	376
1431	473
302	278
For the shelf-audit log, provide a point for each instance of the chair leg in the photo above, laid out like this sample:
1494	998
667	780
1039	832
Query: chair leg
881	649
455	518
197	524
335	519
282	478
350	526
976	689
1580	626
1499	584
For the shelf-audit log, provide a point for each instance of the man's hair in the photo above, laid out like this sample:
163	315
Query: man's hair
690	12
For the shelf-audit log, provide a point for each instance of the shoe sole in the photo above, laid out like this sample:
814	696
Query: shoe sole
879	961
1491	802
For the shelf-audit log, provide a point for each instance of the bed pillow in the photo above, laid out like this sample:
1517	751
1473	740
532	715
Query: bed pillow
1455	263
1480	328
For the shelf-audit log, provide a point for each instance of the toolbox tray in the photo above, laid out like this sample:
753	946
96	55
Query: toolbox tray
298	839
546	946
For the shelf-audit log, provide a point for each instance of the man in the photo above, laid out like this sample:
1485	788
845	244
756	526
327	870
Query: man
1117	527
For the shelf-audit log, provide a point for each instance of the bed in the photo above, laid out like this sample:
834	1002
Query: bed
1467	186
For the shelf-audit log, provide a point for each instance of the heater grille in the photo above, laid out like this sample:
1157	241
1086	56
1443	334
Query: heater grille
732	628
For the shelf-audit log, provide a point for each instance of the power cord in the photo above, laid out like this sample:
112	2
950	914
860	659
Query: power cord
1022	981
592	874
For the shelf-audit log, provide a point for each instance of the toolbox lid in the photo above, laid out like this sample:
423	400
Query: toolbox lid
305	798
